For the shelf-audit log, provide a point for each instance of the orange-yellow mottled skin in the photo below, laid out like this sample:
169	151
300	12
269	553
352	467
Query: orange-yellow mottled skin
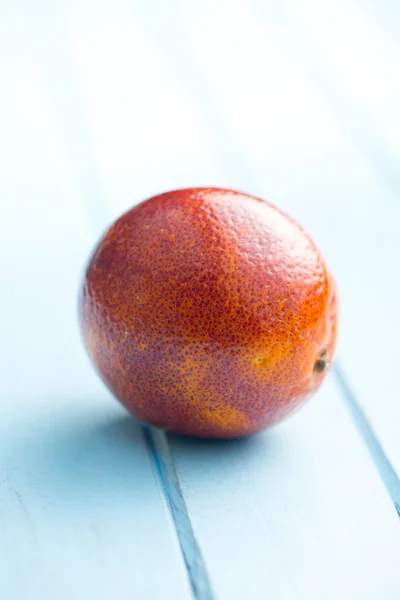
209	312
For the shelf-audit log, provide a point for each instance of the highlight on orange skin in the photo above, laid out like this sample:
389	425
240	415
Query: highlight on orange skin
209	312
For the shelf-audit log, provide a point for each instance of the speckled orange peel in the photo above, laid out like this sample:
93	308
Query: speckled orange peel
209	312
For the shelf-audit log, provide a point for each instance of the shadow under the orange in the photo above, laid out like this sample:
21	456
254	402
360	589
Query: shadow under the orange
79	461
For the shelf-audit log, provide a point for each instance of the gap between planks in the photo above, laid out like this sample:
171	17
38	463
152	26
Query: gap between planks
160	452
381	461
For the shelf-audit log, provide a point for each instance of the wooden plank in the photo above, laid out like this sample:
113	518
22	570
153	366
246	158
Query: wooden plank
300	511
82	512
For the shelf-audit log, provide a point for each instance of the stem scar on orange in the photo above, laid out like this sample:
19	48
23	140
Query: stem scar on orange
209	312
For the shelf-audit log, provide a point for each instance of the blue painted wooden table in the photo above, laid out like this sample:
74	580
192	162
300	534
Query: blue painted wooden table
101	105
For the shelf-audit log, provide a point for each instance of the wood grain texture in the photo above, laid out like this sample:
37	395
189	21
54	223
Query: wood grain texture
82	513
297	512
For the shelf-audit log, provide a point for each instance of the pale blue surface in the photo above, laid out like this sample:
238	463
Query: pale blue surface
103	104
